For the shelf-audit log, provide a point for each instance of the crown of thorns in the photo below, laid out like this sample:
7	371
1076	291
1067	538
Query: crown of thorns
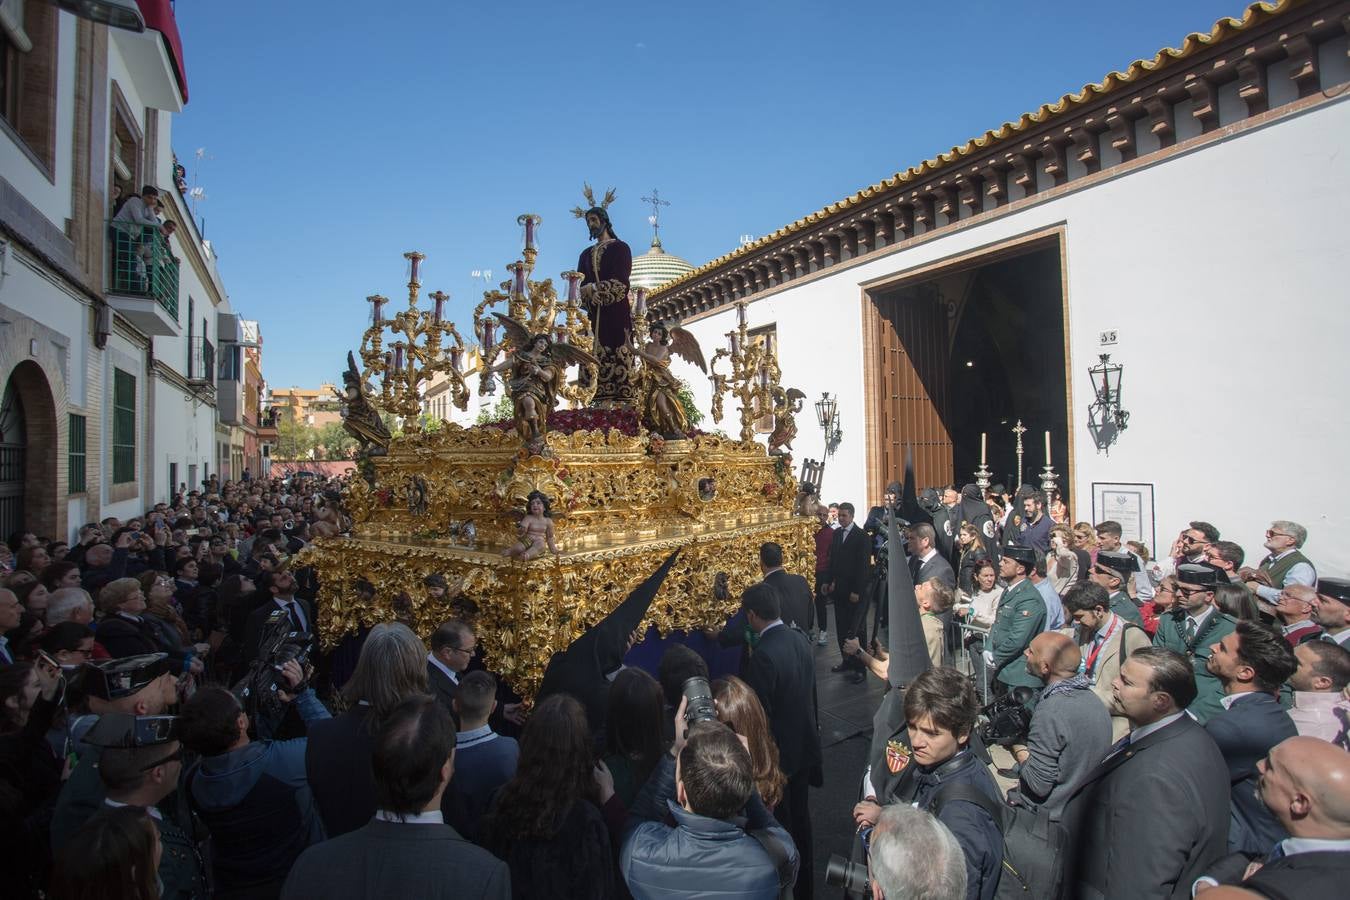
589	194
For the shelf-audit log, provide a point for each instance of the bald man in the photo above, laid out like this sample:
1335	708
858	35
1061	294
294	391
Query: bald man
1305	783
1070	728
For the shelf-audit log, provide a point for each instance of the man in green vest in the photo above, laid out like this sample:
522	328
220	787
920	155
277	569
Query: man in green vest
1284	566
1020	617
1194	626
1110	571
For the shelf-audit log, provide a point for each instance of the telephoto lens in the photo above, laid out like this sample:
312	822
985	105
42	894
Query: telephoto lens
850	876
698	706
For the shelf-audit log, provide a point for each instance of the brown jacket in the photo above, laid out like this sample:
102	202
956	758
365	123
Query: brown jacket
1106	666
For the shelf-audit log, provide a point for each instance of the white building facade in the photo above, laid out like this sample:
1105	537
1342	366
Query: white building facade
1186	217
108	357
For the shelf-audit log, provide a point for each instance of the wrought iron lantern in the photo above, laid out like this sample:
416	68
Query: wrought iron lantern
1106	417
827	415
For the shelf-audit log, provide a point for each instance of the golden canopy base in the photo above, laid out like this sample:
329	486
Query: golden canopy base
621	503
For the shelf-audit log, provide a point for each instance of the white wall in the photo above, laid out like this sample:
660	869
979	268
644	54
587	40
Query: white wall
51	197
1222	270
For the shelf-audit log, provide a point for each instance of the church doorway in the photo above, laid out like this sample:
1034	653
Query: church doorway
967	348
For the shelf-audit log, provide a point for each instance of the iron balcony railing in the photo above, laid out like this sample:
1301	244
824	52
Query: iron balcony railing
201	360
142	264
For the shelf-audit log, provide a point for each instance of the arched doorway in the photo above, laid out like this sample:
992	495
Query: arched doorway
29	452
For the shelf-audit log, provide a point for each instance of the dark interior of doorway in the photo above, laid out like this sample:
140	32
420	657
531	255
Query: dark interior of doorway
971	351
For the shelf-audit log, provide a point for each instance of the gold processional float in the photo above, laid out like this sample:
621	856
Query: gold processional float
623	484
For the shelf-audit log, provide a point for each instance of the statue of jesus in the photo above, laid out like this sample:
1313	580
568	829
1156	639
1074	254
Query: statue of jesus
606	266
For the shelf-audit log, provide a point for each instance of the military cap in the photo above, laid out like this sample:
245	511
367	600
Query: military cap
1337	589
1120	561
1197	574
114	678
124	731
1024	555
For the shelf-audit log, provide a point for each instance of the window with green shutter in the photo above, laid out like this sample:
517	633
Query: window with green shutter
124	427
75	458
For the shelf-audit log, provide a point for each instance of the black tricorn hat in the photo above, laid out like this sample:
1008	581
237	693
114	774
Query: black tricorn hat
1337	589
1198	574
114	678
1122	562
1024	555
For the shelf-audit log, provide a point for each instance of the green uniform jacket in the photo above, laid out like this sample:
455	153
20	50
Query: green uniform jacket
1123	606
1172	635
1020	617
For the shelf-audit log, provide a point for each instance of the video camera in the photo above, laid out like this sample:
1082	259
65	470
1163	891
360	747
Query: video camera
257	690
851	876
1007	720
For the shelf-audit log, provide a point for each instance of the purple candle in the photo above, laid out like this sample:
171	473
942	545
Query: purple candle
640	304
560	334
519	269
489	335
733	343
398	356
740	314
439	298
529	232
573	286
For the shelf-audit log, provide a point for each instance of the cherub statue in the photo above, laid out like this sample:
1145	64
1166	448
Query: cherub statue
786	404
535	529
538	368
359	417
660	390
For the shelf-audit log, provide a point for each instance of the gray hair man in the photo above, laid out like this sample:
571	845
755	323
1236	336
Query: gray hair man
70	605
1285	565
915	856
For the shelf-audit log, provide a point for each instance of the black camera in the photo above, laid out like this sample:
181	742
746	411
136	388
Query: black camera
279	645
698	701
1007	720
850	876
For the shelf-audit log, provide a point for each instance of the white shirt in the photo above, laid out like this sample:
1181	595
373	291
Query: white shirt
774	624
1341	637
474	737
430	817
1285	629
927	556
290	605
1200	619
1144	731
1301	573
449	672
1292	847
1227	700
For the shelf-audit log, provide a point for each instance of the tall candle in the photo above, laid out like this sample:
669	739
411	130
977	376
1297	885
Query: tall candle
573	286
489	335
640	302
439	298
398	357
984	457
456	358
1047	448
520	277
529	232
733	343
740	314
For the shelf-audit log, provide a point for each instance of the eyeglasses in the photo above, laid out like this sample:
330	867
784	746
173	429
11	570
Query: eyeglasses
1271	534
1188	592
468	650
1198	540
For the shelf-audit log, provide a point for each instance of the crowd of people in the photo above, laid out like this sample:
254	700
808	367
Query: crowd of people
1179	726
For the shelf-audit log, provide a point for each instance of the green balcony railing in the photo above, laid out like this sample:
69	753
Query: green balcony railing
142	264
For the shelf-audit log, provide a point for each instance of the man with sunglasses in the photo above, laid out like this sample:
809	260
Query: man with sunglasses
139	765
1192	629
1285	565
1110	571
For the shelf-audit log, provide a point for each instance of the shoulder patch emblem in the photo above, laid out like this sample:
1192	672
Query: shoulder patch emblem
989	529
897	756
947	527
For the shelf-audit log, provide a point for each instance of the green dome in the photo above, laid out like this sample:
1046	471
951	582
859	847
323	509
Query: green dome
656	267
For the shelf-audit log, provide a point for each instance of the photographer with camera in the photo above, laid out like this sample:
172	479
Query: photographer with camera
282	586
705	784
253	796
940	713
1070	728
915	857
1105	641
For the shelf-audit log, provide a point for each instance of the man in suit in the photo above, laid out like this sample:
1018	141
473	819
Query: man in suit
925	562
782	673
1193	627
1320	705
1105	640
794	591
1251	664
1305	783
452	647
297	612
847	577
406	850
1020	617
1154	813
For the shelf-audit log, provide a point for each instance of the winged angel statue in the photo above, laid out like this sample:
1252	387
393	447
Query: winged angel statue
660	390
538	368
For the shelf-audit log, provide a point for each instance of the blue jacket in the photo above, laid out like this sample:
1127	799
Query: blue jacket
699	857
257	804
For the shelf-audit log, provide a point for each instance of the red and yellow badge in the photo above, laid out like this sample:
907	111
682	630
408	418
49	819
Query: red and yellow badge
897	756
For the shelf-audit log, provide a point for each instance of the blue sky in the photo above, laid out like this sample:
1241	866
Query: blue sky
335	142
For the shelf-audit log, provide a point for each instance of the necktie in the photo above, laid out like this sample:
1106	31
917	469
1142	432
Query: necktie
295	616
1277	853
1190	629
1119	746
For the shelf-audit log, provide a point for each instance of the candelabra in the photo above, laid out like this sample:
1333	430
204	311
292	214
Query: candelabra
982	474
418	353
1049	480
753	378
535	305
